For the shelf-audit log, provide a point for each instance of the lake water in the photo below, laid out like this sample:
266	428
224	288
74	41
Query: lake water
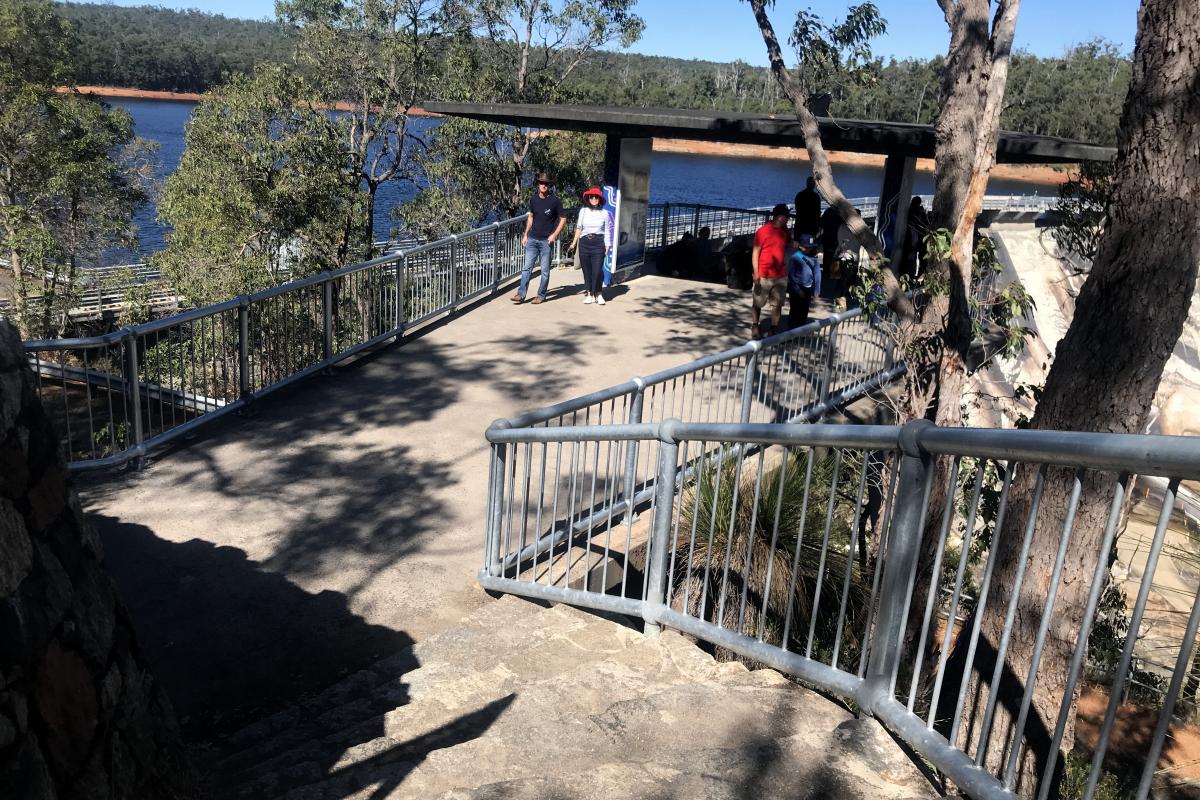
675	177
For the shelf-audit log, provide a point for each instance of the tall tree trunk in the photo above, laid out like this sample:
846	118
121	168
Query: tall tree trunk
967	133
1106	371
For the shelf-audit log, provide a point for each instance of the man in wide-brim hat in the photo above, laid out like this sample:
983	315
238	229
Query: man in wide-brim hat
542	226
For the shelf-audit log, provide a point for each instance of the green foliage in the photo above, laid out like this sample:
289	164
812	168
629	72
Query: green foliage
836	57
260	195
1111	786
376	59
157	48
514	51
70	179
798	507
1082	203
1078	95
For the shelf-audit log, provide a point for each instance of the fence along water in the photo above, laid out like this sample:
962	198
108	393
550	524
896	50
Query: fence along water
119	395
115	397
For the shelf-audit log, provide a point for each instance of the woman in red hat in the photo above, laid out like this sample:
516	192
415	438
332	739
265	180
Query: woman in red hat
593	237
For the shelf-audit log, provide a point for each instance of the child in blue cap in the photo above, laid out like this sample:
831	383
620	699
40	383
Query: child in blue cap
804	280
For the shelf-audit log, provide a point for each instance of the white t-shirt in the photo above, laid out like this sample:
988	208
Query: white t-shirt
595	220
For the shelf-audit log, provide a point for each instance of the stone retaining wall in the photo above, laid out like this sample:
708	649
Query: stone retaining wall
80	715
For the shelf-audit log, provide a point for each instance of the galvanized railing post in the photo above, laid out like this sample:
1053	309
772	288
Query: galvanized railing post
696	221
495	510
453	272
327	319
660	534
666	217
903	543
631	458
748	382
244	385
827	376
401	269
134	388
496	251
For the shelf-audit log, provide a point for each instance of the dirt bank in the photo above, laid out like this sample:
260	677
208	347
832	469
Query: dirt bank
151	94
1035	173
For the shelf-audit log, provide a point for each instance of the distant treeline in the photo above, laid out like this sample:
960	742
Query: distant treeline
1077	96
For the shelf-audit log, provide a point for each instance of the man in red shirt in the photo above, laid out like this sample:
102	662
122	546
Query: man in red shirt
769	264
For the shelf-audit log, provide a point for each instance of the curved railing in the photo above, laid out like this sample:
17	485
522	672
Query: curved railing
800	546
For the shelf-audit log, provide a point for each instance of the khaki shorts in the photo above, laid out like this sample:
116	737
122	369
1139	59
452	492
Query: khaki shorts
769	294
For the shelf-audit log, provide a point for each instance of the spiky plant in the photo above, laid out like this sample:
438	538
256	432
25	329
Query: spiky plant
730	554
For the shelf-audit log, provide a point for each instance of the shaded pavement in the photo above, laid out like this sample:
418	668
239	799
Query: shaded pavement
269	555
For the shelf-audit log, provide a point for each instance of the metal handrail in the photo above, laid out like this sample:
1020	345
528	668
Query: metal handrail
880	680
116	394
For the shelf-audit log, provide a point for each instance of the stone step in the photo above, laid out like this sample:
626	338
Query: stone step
422	727
650	717
859	764
362	689
464	667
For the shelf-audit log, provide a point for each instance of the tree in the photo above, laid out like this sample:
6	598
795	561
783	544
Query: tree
373	59
260	195
935	346
840	48
1080	209
521	51
1128	317
68	185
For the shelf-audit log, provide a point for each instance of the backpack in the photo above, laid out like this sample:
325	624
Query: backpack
802	269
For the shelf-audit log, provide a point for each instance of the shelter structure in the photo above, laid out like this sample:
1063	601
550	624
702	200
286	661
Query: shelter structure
630	133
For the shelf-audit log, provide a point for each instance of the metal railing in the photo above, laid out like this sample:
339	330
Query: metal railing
117	396
800	546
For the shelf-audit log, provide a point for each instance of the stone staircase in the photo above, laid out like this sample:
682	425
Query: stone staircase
521	701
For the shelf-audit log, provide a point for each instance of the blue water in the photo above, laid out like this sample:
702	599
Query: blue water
675	177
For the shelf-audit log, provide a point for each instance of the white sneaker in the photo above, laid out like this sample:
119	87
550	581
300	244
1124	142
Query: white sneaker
600	299
588	299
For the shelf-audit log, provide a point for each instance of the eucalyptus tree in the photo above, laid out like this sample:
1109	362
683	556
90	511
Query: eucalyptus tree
373	60
520	51
68	177
1128	319
261	194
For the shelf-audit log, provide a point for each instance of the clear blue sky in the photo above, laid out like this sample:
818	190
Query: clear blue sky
724	30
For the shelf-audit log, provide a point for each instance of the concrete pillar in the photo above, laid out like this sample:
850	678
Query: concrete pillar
627	170
891	221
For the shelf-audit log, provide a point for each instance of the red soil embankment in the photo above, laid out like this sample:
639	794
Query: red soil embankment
1035	173
152	94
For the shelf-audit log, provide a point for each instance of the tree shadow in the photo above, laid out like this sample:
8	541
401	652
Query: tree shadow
323	480
705	317
230	640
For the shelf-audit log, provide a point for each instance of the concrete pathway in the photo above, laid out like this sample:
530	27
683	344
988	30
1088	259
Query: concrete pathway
269	555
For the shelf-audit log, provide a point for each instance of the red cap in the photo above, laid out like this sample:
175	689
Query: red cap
594	190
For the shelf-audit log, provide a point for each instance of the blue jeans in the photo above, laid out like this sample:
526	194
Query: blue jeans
536	250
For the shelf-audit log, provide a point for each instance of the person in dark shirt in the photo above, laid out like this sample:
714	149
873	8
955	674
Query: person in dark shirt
914	238
542	226
831	222
808	210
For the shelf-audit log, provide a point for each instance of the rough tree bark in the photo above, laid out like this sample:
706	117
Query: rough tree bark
966	135
1128	318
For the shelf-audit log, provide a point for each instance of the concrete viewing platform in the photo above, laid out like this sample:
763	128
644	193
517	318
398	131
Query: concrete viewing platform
267	556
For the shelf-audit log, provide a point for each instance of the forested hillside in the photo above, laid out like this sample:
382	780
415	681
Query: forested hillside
157	48
1076	96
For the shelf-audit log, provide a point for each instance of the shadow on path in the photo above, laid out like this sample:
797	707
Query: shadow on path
229	640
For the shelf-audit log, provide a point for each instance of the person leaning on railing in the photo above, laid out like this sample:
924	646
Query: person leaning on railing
542	226
594	238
